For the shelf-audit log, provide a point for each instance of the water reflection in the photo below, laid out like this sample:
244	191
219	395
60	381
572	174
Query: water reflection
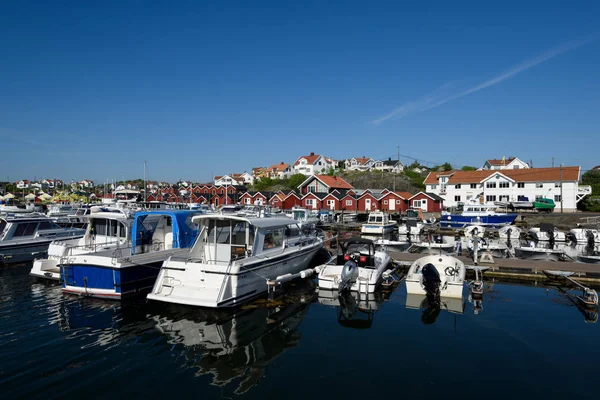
354	310
235	347
432	306
590	314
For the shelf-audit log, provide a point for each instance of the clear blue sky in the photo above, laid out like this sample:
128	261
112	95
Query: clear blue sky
91	89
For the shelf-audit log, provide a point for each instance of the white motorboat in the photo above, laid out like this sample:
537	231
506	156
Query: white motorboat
496	249
359	267
475	212
434	245
232	260
57	211
13	207
130	270
509	232
547	232
394	245
440	275
410	227
105	231
378	223
541	253
474	230
24	237
584	235
306	219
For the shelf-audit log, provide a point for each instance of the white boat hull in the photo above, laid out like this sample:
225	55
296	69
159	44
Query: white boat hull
368	281
219	286
374	229
46	269
451	272
453	290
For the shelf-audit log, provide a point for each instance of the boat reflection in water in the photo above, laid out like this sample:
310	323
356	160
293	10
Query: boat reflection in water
354	310
236	345
432	306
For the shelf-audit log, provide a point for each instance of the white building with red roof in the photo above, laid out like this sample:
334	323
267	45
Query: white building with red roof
509	185
313	164
504	163
359	163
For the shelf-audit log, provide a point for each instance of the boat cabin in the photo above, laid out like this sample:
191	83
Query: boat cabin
359	250
163	230
107	227
227	238
16	228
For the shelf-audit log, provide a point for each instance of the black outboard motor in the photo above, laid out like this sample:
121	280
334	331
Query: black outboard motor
590	238
431	280
438	238
551	238
508	235
348	276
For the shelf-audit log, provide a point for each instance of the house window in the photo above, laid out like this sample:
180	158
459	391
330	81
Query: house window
385	202
490	198
556	184
503	197
309	202
516	167
330	202
348	202
397	201
247	200
504	185
417	203
521	185
433	187
473	186
456	198
539	185
443	179
457	186
557	197
490	185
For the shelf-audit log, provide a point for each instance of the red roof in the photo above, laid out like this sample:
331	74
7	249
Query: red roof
309	159
334	182
495	162
278	167
362	160
404	195
518	175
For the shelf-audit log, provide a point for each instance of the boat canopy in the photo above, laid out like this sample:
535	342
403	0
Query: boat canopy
271	222
184	232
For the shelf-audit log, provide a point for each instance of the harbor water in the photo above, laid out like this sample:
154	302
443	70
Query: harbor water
519	341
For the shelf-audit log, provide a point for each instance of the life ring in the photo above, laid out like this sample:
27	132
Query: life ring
449	271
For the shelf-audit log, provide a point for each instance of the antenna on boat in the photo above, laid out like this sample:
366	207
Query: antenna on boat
145	185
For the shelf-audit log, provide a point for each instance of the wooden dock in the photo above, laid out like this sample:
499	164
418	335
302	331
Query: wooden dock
517	269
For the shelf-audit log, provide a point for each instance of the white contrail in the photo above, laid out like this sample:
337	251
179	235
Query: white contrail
429	102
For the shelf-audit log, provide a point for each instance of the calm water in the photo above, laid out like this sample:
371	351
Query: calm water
525	340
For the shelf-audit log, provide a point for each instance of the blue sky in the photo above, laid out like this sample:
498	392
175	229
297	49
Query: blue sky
91	89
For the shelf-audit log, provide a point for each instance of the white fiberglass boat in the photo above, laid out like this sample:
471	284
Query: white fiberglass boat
509	232
22	238
232	260
378	223
583	235
359	267
105	231
440	275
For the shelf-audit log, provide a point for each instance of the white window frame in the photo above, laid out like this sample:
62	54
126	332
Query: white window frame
348	202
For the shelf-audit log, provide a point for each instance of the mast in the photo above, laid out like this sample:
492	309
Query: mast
145	186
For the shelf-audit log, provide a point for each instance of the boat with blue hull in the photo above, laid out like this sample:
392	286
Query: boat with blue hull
130	270
475	213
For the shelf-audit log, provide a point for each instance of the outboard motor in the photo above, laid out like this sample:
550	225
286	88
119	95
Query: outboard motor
590	238
348	276
508	236
551	238
438	239
431	280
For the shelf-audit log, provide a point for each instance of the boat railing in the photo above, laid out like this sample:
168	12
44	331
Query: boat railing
89	247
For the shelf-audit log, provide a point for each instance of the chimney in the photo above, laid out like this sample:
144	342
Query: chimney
282	163
312	153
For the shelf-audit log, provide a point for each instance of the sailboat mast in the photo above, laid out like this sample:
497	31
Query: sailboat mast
145	186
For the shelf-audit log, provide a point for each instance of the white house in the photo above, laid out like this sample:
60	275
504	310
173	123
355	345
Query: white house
313	164
504	163
359	163
23	184
388	165
85	184
279	171
245	178
227	180
508	185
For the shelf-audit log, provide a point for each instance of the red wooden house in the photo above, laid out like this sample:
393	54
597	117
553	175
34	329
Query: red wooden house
368	202
428	202
291	200
313	201
349	202
394	201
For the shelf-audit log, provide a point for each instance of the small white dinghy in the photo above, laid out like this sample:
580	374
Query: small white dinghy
359	267
509	232
441	274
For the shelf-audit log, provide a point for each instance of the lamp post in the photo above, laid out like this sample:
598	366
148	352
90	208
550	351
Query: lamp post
561	191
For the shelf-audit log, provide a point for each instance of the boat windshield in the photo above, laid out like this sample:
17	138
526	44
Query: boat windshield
299	215
375	218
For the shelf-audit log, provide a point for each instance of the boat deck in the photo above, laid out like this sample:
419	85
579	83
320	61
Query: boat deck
515	268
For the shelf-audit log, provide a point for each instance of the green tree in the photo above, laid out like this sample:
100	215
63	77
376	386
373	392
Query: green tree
468	168
263	184
294	181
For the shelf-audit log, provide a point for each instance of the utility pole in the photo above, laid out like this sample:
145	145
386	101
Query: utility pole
552	162
561	192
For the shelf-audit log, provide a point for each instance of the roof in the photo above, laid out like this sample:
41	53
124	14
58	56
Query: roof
333	182
499	162
432	196
518	175
362	160
278	167
309	159
258	222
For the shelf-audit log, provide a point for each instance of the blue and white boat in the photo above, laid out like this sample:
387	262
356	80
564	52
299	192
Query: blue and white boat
474	213
129	270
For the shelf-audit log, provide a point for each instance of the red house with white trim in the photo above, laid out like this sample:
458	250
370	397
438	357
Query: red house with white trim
291	200
368	202
428	202
394	201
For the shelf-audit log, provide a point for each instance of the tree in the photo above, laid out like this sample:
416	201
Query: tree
468	168
295	180
341	165
263	184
